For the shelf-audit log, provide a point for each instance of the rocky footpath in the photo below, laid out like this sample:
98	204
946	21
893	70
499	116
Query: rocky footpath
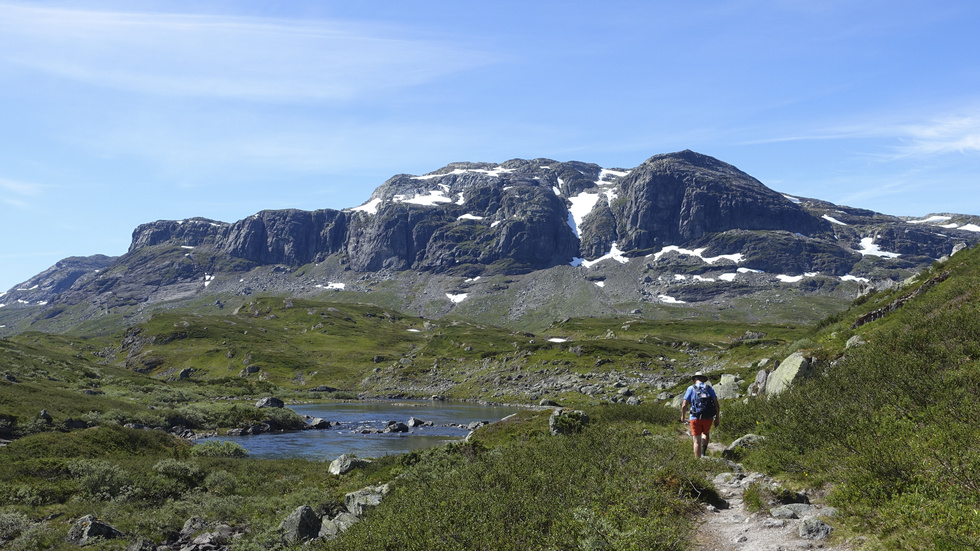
789	521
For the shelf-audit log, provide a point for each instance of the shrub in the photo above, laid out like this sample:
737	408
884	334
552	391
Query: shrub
221	483
181	471
219	448
12	524
100	480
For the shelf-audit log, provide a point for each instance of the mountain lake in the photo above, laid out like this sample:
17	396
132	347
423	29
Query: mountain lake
448	419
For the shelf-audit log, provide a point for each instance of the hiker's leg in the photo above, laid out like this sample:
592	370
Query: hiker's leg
705	437
696	437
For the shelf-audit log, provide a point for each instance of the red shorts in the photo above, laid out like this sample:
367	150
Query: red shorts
701	426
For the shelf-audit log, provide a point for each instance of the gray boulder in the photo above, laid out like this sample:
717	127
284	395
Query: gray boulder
758	386
331	528
360	501
270	402
790	370
812	528
346	463
739	446
395	426
856	340
88	529
301	525
727	388
320	423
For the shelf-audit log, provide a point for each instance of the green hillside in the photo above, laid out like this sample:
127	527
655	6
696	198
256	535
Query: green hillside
890	425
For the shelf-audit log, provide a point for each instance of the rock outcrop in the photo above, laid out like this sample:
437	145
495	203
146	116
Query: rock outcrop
793	368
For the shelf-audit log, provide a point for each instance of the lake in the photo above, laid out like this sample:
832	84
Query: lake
327	444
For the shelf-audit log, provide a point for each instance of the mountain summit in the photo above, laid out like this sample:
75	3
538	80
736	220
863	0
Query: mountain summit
680	228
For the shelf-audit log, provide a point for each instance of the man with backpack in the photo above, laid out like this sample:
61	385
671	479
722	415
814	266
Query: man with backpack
705	411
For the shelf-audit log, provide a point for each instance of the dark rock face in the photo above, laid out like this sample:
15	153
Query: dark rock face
291	237
191	233
682	197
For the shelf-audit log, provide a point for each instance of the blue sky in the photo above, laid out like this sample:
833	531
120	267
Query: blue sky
114	114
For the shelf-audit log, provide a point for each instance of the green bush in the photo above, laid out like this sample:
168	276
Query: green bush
12	524
181	471
221	483
219	448
100	480
604	486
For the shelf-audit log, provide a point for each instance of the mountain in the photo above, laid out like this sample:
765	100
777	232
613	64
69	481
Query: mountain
519	243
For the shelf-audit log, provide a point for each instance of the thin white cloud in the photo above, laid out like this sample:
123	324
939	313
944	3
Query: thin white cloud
954	134
918	135
20	188
224	57
13	193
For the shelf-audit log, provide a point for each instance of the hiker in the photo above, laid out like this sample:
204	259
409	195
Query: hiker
705	411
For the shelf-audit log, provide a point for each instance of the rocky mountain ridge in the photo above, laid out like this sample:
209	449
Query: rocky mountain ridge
680	228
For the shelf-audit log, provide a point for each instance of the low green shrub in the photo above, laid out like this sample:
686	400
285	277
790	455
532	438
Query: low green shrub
221	483
12	524
186	473
219	448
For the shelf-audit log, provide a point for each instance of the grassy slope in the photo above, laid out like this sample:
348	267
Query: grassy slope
891	424
301	344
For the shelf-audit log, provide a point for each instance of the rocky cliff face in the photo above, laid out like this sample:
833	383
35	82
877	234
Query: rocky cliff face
691	220
679	198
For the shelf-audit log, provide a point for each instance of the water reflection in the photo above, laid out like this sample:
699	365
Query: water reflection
448	419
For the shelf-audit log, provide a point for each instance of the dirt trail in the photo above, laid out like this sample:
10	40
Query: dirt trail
737	529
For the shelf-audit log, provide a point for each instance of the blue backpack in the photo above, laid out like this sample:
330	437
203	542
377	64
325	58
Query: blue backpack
702	404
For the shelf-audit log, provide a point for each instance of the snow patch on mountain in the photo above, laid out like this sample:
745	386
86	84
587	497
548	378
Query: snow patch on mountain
614	254
371	207
582	204
736	258
496	172
433	198
931	219
869	248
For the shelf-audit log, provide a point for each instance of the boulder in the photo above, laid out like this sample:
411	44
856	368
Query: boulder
727	388
395	426
790	370
301	525
856	340
346	463
360	501
416	422
812	528
319	423
758	386
88	529
331	528
270	402
548	403
738	447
